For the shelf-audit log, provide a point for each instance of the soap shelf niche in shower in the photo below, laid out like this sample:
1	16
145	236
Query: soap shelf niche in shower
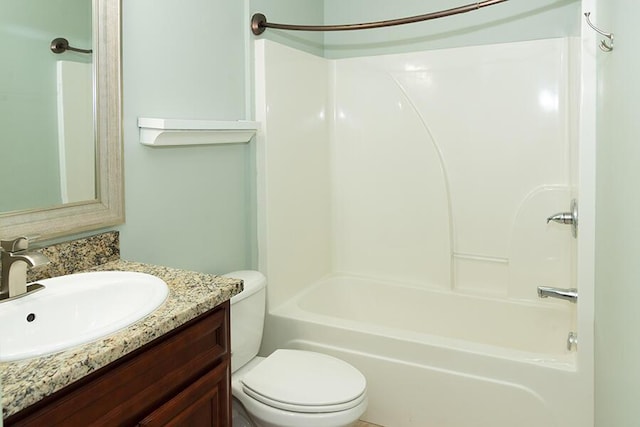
176	132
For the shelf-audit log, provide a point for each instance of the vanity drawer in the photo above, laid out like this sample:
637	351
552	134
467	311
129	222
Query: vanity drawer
127	390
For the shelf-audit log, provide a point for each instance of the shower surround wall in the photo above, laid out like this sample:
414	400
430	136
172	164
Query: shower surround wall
447	163
436	169
433	172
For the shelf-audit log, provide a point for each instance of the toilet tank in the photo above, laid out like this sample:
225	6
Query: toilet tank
247	317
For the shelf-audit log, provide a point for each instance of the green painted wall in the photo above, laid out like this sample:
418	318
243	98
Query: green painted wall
194	207
617	317
28	97
190	206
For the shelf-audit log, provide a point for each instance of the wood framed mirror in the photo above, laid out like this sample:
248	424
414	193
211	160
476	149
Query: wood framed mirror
107	207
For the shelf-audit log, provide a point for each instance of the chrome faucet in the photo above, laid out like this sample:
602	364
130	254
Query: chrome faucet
15	259
570	295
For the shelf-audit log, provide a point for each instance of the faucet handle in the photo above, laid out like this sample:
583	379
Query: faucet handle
570	218
15	245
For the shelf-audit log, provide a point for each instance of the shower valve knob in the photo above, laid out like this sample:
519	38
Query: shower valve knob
570	218
561	218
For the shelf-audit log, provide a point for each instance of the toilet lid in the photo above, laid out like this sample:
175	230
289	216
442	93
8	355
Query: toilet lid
304	381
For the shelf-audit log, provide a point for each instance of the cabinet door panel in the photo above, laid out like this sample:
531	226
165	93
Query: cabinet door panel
202	404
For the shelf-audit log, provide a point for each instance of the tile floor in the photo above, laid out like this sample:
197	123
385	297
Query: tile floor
365	424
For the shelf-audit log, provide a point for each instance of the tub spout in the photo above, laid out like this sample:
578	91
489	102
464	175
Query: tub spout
570	295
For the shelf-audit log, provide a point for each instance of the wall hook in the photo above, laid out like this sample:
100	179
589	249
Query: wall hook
61	45
604	46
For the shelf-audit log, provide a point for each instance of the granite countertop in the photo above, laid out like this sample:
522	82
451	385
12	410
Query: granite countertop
25	382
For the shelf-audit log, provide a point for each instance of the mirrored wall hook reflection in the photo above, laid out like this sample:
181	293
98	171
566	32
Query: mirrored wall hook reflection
61	45
604	45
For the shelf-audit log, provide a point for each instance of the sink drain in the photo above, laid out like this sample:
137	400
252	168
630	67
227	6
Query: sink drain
31	317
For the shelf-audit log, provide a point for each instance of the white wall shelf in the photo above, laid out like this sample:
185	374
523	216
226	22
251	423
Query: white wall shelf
176	132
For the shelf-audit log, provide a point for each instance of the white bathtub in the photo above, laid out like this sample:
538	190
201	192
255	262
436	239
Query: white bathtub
438	359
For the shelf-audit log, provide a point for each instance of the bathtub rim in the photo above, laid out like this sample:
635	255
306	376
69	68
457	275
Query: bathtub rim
291	309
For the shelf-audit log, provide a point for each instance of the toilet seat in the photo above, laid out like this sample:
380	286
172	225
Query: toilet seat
304	381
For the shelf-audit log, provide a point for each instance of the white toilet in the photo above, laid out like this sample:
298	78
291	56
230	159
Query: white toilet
289	388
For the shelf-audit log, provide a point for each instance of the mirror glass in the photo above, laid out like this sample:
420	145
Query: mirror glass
60	124
46	105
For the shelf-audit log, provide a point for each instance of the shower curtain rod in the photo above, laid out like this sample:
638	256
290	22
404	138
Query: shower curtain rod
259	22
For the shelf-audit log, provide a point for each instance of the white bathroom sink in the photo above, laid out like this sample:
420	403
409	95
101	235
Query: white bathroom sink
76	309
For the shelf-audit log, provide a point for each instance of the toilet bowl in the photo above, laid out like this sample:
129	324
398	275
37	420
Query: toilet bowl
281	391
289	388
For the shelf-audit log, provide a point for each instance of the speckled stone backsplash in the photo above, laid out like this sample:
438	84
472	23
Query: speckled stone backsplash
77	255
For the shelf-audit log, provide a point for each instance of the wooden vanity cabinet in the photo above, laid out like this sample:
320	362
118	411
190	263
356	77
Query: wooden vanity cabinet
180	379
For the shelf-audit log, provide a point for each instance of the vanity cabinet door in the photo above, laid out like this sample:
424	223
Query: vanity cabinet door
203	404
